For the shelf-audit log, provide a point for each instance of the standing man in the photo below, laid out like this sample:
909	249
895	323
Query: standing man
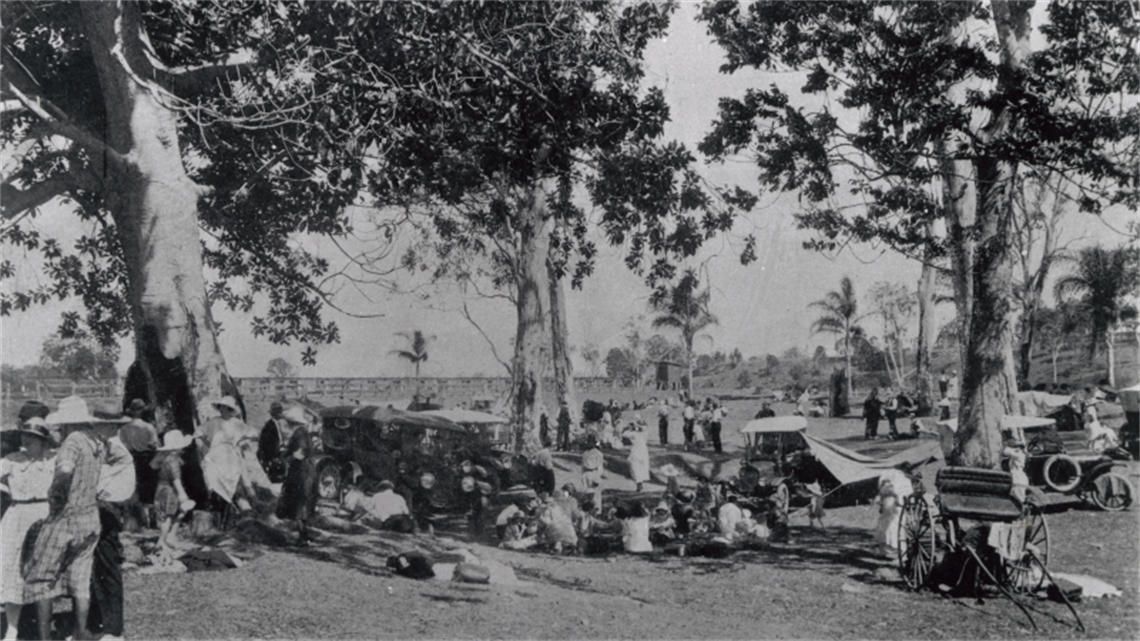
563	444
663	421
891	411
872	412
943	385
715	423
593	467
689	418
65	548
140	438
273	443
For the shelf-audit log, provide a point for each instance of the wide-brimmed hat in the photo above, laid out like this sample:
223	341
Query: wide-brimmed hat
137	405
275	406
174	440
72	409
227	401
36	426
109	412
298	414
33	408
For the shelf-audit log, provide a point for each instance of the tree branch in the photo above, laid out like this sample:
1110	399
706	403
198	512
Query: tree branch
17	200
56	121
189	82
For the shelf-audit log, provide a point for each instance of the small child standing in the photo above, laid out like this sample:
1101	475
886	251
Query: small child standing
170	500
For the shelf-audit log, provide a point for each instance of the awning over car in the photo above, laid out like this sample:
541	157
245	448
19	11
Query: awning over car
848	466
774	424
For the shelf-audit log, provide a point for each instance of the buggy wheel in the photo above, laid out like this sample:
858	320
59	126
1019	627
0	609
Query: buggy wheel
1062	473
917	541
1026	575
329	482
1111	492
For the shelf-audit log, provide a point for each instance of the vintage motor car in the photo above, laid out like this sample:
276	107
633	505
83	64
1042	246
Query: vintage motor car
1052	467
418	451
786	465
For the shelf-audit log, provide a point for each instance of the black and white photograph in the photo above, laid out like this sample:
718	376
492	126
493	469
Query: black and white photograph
536	319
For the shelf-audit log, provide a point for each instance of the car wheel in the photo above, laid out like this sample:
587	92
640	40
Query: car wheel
1111	492
329	482
1062	473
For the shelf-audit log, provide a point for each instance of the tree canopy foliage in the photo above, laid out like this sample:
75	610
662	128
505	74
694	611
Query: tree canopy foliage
863	155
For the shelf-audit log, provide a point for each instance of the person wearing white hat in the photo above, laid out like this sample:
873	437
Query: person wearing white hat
25	476
64	551
230	465
298	498
170	499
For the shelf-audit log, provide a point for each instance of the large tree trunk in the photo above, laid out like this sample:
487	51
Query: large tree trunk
179	366
531	346
927	333
989	380
560	345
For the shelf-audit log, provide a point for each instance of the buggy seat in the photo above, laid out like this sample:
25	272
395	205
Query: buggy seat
977	494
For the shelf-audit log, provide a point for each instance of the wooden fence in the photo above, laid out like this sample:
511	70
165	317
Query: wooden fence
257	389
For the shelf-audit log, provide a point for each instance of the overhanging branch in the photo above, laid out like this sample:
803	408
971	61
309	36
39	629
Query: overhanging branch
16	201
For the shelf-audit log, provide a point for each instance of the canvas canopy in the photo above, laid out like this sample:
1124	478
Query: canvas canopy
774	424
1033	403
848	466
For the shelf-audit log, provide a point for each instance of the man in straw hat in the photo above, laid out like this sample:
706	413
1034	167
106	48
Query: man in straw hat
64	550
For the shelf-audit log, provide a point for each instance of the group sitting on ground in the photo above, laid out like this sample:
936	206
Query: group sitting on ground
706	520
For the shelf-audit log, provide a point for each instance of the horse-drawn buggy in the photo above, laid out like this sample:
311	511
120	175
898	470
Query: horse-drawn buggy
976	532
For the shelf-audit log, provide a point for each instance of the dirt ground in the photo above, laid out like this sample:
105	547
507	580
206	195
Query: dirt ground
824	583
829	583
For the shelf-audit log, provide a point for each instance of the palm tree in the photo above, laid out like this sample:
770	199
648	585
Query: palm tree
417	352
839	317
1101	284
684	307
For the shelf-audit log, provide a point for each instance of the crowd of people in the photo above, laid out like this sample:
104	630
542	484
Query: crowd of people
694	521
81	474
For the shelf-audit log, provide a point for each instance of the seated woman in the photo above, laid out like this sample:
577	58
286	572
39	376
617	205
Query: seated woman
662	526
634	527
384	510
556	528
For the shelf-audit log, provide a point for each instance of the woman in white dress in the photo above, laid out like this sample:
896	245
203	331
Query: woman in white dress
638	452
26	477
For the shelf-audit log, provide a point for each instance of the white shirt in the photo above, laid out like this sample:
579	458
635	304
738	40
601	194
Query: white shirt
382	505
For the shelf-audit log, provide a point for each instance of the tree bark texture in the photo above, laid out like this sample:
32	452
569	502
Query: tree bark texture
989	381
927	333
565	388
179	366
532	354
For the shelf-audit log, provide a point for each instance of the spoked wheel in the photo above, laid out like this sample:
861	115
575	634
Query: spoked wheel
917	541
1027	574
1111	492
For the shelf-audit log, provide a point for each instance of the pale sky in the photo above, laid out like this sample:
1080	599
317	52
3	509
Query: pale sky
762	308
